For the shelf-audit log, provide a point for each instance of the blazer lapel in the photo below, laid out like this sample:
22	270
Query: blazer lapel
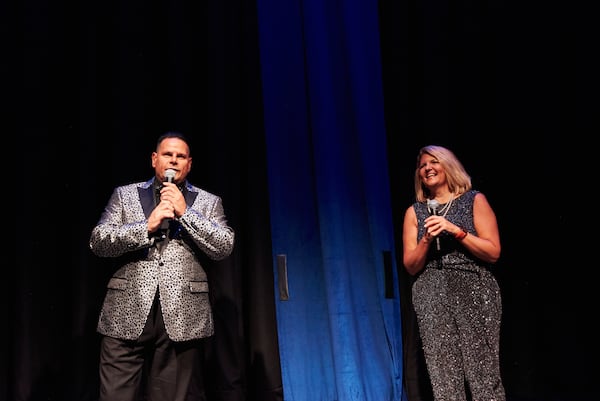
147	199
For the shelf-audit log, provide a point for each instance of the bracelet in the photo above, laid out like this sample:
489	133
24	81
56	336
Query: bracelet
461	234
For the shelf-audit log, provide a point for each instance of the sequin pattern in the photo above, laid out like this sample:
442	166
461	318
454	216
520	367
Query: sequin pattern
458	306
145	266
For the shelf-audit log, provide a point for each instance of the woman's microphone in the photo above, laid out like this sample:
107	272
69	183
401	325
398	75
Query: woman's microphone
433	206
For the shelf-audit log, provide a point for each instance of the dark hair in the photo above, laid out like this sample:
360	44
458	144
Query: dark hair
173	134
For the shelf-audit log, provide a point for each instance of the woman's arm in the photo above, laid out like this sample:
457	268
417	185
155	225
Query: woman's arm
486	244
414	252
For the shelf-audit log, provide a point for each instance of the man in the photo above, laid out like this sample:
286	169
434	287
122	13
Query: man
156	310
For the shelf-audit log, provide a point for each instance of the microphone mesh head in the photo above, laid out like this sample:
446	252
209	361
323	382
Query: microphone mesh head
170	174
433	204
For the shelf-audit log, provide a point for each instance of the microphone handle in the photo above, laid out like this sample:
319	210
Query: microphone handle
437	239
164	225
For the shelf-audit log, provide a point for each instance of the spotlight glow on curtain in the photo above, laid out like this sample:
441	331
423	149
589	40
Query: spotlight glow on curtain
339	335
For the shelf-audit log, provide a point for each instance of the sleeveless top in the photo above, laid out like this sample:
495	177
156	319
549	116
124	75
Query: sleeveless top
452	254
458	306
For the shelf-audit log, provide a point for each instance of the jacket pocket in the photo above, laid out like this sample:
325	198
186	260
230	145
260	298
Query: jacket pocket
198	286
117	283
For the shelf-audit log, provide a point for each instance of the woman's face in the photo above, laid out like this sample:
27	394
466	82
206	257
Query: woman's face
431	171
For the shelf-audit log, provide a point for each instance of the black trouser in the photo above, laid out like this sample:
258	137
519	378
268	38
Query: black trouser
169	365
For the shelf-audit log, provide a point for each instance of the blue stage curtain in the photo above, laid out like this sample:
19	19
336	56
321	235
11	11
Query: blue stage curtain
340	329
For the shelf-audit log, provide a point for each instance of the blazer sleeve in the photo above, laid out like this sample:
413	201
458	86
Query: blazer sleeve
117	232
206	224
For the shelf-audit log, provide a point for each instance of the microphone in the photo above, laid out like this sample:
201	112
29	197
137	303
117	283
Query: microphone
433	206
170	176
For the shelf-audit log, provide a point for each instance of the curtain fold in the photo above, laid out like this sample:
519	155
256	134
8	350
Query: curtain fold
339	334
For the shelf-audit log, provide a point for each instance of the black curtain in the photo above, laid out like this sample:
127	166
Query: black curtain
508	86
511	87
98	82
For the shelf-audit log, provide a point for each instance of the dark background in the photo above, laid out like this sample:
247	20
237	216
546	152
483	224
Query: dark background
510	87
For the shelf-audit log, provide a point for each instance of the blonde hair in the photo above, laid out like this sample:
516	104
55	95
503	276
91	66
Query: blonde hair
459	181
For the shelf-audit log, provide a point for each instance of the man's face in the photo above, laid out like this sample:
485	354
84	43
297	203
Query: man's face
172	153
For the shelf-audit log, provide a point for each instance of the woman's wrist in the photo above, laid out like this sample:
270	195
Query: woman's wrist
460	234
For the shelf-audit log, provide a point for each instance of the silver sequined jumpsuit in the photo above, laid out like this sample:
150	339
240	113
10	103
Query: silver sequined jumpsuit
458	307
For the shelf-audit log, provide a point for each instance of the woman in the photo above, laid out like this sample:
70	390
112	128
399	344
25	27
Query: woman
450	238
